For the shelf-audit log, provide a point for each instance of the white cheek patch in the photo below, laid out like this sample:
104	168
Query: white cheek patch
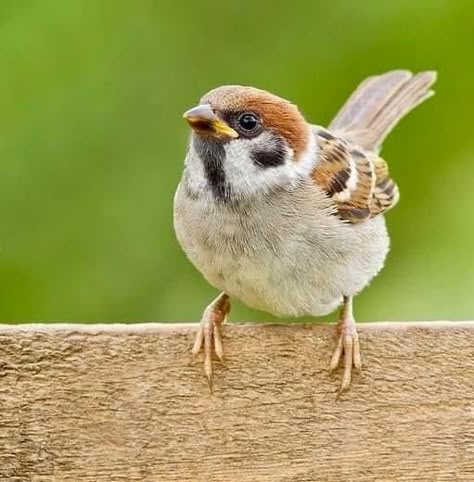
245	176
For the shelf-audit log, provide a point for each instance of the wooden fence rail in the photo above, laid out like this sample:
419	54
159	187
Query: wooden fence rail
107	403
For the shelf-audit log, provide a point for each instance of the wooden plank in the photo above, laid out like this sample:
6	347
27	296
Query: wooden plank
127	403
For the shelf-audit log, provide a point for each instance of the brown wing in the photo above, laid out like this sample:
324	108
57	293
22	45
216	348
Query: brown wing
358	182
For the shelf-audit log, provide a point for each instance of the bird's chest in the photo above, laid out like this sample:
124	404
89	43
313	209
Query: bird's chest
227	246
259	256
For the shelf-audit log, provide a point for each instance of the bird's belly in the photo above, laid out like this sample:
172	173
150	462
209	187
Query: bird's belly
281	268
269	284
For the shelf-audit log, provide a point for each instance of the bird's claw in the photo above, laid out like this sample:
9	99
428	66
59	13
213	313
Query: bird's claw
347	344
209	334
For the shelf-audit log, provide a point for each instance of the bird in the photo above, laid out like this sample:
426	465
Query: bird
287	216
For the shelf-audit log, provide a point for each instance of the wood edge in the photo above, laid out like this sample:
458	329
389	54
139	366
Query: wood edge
154	327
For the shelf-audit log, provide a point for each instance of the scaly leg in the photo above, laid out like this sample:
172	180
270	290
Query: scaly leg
347	343
209	333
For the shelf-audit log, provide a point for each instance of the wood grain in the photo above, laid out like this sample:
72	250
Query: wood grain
106	403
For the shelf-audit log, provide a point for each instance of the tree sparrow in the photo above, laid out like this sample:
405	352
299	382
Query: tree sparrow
287	216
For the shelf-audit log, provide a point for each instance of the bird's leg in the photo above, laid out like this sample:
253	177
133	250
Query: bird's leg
347	343
209	333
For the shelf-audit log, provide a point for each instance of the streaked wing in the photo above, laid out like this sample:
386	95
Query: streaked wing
357	181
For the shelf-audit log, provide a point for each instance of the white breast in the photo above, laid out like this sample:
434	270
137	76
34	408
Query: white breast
285	254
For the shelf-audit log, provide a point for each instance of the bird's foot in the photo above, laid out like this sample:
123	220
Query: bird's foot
347	344
209	333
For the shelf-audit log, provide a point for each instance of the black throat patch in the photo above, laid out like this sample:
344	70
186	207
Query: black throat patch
212	154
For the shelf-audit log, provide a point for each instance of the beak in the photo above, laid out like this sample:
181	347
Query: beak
204	121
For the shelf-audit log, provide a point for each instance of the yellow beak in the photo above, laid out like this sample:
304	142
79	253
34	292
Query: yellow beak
204	121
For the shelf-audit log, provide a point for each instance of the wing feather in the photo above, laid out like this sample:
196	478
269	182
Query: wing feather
358	182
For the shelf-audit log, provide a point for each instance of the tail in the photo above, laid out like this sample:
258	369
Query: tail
378	103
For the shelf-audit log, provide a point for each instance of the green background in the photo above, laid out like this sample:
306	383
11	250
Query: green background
92	144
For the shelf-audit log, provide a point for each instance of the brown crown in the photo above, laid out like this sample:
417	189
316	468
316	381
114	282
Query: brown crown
276	114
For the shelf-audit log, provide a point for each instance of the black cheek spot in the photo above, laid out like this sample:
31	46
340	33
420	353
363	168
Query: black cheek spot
272	157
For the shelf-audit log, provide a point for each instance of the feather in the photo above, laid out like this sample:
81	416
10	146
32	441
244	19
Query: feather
378	104
358	182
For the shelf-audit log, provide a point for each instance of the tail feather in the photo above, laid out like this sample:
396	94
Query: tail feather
379	103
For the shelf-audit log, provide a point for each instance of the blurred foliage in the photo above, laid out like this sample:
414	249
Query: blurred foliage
92	144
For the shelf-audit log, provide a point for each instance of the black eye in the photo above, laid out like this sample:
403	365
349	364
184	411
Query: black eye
248	121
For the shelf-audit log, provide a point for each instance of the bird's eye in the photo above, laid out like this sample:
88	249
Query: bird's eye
248	121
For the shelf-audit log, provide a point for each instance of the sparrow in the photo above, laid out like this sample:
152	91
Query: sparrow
287	216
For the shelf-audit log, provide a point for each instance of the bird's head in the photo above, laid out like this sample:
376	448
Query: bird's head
245	142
